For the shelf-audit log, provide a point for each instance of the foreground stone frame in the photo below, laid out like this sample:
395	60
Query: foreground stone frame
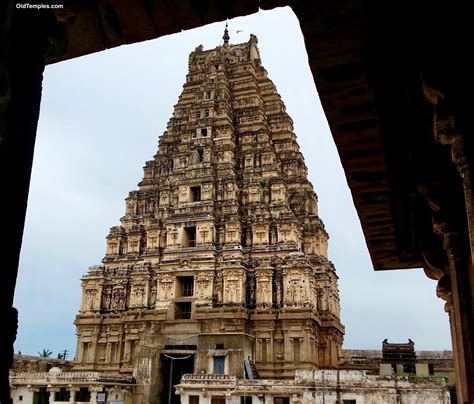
399	108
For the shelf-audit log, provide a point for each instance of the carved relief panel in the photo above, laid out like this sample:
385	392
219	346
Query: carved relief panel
164	198
173	236
287	233
119	297
296	288
106	297
310	245
260	233
183	194
278	193
207	192
230	191
115	241
218	289
267	158
113	244
229	157
153	239
233	286
205	234
221	158
254	194
166	288
152	294
131	204
134	240
139	295
313	291
320	299
90	297
264	287
204	286
181	162
232	233
249	160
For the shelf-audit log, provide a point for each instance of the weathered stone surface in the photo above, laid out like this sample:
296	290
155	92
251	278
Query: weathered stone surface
353	52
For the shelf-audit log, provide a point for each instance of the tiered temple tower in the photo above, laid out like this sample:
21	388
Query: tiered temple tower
221	256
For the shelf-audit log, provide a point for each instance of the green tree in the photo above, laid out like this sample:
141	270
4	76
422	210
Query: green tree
46	353
61	356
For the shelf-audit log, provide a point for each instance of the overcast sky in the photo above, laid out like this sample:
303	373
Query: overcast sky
101	117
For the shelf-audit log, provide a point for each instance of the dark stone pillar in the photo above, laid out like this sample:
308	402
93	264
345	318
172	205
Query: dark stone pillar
461	319
459	247
23	45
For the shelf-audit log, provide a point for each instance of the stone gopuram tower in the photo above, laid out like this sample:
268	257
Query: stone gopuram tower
220	258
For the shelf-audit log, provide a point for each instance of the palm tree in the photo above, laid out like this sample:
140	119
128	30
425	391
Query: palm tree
61	356
45	354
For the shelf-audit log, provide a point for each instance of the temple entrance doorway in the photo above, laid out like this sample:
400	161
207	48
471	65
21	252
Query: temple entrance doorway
41	396
173	367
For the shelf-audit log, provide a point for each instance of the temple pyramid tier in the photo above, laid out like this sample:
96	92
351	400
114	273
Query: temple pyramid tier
220	263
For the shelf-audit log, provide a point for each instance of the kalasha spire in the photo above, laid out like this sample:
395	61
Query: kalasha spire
226	36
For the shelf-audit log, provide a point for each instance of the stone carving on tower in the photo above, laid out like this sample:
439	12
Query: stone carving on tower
221	248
